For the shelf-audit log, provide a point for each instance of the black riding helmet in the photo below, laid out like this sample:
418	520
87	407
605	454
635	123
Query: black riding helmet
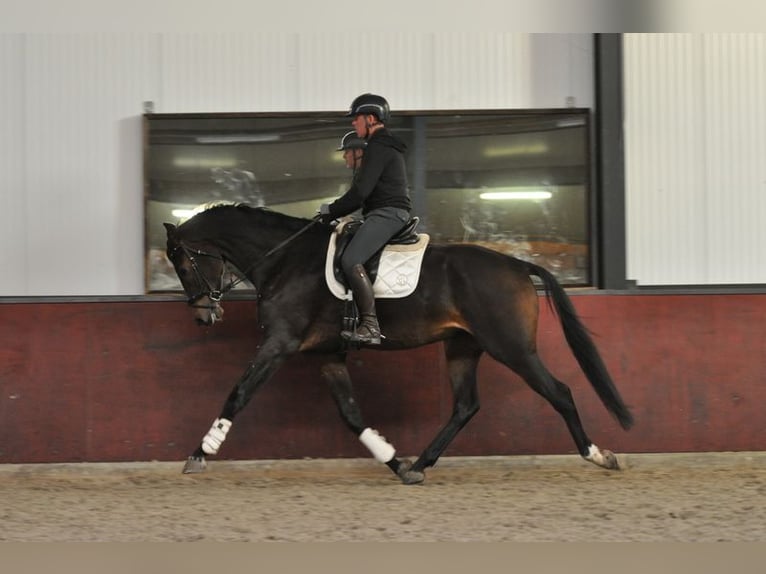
370	104
351	141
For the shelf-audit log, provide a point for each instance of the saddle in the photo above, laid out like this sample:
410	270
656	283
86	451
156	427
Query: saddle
401	258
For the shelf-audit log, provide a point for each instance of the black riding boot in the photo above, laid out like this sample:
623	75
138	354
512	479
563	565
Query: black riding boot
368	331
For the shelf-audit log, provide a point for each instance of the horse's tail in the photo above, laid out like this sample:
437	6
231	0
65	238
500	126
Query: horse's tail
582	346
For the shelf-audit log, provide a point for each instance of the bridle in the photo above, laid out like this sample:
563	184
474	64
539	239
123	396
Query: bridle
214	294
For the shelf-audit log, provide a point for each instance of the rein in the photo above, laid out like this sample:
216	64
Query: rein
215	295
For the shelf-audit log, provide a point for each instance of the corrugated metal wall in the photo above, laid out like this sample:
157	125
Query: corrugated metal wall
71	189
695	141
13	197
82	97
70	158
309	72
227	73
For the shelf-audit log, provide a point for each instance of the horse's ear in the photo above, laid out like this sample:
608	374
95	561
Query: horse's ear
171	229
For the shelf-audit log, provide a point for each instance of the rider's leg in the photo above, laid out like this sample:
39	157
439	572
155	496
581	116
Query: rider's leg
378	227
368	330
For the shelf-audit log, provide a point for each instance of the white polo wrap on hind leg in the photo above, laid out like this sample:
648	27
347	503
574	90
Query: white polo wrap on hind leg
377	445
215	436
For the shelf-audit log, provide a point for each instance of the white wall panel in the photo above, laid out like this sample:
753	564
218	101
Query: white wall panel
694	142
82	155
421	71
13	201
485	70
229	73
665	186
561	67
488	70
735	162
336	68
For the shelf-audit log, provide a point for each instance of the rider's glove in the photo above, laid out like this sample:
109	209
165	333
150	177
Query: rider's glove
324	213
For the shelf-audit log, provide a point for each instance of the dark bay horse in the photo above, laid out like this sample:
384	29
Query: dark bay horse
473	299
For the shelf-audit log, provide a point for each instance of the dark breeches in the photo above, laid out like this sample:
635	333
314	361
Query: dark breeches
379	226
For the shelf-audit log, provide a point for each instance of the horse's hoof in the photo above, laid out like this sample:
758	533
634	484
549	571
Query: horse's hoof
195	464
610	460
409	476
603	458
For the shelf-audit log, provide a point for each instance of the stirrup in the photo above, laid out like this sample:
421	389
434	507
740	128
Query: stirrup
362	334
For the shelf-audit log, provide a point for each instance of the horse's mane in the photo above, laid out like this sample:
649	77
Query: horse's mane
227	215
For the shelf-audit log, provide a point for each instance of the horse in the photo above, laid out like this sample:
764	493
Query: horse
473	299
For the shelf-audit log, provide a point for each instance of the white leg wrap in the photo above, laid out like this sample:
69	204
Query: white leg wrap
377	445
215	436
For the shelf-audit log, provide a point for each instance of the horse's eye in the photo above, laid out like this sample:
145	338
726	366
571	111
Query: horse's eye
183	271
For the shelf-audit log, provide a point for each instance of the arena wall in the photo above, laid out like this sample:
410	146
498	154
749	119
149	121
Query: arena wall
137	380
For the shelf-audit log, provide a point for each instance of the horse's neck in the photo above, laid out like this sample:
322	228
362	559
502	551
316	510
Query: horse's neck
248	250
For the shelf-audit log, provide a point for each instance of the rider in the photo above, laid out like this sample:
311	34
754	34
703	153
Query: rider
380	189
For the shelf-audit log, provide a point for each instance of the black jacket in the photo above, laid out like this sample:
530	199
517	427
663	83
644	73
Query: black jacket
381	180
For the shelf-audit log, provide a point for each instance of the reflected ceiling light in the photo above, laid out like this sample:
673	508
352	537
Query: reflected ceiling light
521	149
570	122
238	138
204	162
522	194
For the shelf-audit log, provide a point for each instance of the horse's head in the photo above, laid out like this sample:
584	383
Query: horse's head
201	269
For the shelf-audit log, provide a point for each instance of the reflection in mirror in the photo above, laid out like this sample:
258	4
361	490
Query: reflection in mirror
517	181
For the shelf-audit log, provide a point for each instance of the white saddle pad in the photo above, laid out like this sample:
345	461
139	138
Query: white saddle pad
398	272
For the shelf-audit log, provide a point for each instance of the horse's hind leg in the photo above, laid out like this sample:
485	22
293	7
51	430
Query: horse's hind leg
558	394
337	376
463	354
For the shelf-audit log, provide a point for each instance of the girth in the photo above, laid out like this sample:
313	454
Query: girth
406	236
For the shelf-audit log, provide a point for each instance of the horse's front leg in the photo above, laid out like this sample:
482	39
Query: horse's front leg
266	362
337	376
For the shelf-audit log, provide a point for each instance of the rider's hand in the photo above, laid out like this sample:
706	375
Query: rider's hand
323	214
